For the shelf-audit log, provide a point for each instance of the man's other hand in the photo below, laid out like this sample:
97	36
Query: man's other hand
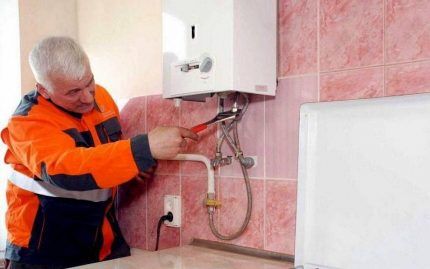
166	142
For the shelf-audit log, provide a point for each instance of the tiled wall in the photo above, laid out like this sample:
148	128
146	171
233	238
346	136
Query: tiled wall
328	50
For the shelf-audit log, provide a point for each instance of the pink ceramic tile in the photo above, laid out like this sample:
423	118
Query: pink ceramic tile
132	213
352	84
280	215
189	168
351	33
297	37
407	31
282	122
251	139
157	188
194	113
195	222
162	112
233	211
167	168
407	78
133	117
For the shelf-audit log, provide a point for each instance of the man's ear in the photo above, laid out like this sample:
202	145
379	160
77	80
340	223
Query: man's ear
42	90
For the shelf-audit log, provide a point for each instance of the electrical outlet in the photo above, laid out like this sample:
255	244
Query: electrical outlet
172	203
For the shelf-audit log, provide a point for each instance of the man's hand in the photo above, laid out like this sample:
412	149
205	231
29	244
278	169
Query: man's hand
166	142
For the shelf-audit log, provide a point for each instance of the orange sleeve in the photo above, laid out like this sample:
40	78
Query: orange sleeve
52	156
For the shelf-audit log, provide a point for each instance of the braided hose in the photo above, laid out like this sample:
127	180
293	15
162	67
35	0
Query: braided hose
234	144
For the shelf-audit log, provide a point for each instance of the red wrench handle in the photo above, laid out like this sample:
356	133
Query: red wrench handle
199	128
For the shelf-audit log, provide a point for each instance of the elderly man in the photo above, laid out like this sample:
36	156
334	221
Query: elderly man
65	148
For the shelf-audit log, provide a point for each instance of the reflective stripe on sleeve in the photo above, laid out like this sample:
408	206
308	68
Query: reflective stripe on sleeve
43	188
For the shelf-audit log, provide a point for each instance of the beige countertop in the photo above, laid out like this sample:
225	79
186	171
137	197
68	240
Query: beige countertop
188	257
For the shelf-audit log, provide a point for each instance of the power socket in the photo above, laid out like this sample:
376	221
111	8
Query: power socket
172	203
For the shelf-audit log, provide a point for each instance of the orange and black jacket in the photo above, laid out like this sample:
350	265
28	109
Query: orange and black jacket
78	155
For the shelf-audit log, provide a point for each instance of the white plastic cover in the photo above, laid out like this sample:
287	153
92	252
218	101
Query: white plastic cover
364	184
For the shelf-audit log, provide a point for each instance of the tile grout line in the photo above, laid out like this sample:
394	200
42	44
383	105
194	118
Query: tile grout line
318	52
264	173
297	75
425	60
234	177
384	90
351	69
259	178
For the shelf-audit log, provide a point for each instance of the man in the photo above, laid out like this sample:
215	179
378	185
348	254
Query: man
65	148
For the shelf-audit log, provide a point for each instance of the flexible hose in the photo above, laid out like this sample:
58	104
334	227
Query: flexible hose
247	217
244	109
222	137
235	146
230	142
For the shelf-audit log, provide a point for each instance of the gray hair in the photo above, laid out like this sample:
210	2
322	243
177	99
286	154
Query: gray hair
57	56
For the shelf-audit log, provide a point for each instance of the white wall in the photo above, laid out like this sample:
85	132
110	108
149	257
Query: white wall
11	87
123	41
39	19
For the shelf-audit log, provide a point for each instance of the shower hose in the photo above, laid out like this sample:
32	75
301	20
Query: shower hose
245	163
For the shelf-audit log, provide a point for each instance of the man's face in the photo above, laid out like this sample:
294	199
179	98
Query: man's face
73	95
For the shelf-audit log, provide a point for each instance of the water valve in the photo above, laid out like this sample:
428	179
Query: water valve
206	65
188	67
248	162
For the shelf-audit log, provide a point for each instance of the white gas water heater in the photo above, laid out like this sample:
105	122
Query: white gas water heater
212	46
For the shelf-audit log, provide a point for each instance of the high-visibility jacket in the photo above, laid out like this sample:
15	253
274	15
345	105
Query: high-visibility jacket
66	167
